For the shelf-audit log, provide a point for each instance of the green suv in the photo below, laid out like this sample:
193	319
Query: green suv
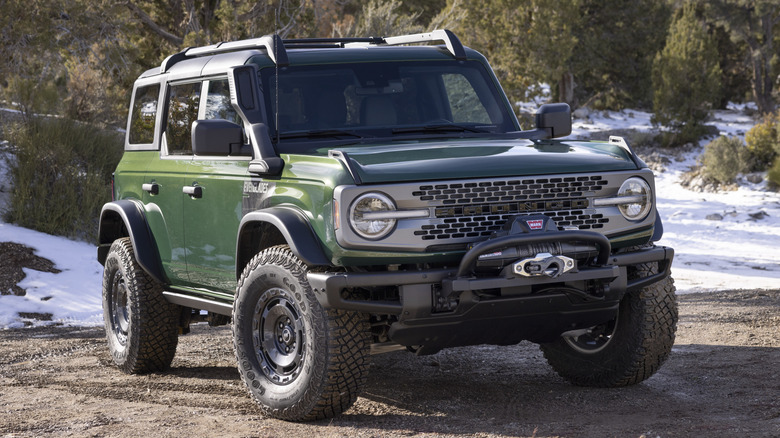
335	198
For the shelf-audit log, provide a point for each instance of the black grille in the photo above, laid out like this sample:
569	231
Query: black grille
477	209
512	190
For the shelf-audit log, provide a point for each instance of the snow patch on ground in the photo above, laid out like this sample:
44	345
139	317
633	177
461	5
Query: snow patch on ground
72	297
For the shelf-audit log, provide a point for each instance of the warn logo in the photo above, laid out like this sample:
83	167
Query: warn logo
536	224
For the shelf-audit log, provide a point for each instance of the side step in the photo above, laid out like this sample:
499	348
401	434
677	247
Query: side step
199	303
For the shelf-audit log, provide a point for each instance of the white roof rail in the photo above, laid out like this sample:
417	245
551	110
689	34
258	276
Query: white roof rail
447	37
272	43
275	46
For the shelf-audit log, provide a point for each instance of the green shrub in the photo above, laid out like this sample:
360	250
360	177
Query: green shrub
724	158
774	174
61	175
763	142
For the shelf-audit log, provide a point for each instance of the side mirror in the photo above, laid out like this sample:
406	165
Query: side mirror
216	137
554	118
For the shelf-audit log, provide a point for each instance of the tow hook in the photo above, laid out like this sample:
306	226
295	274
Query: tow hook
544	264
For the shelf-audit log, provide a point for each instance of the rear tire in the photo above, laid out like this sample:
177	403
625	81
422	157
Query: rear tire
299	361
624	351
141	326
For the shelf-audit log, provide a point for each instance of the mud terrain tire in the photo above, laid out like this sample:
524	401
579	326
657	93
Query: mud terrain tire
627	350
141	326
299	361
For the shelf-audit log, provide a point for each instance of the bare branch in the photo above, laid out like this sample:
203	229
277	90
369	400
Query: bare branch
147	20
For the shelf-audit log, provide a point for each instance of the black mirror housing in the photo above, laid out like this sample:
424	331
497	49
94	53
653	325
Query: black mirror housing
216	137
554	118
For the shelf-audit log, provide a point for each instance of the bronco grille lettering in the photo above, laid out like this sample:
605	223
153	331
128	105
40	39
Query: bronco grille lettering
512	207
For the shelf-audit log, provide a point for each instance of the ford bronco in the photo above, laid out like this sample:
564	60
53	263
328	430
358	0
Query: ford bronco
331	198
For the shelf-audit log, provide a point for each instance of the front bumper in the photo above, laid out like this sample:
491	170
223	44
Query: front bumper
443	307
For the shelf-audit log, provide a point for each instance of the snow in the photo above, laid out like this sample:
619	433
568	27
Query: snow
738	252
72	297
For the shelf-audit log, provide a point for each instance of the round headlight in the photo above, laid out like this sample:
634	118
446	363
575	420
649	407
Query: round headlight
365	216
638	199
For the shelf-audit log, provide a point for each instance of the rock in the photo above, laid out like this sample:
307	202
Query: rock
714	217
758	215
755	178
581	113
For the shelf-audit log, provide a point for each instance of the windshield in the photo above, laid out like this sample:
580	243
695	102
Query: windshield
383	99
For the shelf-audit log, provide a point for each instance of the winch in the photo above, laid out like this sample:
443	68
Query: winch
544	264
549	259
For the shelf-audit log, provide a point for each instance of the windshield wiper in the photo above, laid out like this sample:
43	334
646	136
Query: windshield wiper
318	134
445	127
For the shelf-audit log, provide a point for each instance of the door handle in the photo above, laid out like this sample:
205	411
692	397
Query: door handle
193	191
152	188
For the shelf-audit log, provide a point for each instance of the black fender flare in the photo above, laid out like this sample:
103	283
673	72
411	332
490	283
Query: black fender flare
126	218
295	229
658	231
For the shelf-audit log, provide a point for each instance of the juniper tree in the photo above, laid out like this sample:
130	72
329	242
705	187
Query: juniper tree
686	75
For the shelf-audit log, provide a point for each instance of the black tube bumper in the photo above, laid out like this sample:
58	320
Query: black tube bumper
534	308
328	286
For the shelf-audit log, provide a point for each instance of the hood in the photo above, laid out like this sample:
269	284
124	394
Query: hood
469	158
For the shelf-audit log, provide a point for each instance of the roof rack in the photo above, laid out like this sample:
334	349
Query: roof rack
325	43
277	48
447	37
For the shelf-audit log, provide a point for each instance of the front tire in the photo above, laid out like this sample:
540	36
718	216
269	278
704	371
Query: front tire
626	350
299	361
141	326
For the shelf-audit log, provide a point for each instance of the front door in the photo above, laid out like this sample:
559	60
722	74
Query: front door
213	210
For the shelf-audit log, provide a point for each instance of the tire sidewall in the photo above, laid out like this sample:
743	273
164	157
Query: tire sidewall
301	394
117	263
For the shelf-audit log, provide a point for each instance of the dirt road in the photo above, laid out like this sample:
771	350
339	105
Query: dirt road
722	380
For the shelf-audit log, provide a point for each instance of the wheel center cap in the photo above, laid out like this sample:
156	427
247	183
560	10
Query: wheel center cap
287	335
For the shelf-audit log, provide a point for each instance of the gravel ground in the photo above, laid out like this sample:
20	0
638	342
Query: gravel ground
722	380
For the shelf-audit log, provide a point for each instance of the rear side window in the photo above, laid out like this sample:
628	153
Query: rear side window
144	114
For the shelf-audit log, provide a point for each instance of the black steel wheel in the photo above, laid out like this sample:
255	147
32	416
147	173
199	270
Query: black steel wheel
279	338
141	326
594	339
119	314
299	361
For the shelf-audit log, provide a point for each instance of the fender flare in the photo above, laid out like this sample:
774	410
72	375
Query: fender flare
295	229
126	218
658	231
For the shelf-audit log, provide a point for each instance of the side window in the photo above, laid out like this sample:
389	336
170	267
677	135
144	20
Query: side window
143	115
464	102
183	103
218	102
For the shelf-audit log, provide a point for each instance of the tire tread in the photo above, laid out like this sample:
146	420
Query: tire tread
153	330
